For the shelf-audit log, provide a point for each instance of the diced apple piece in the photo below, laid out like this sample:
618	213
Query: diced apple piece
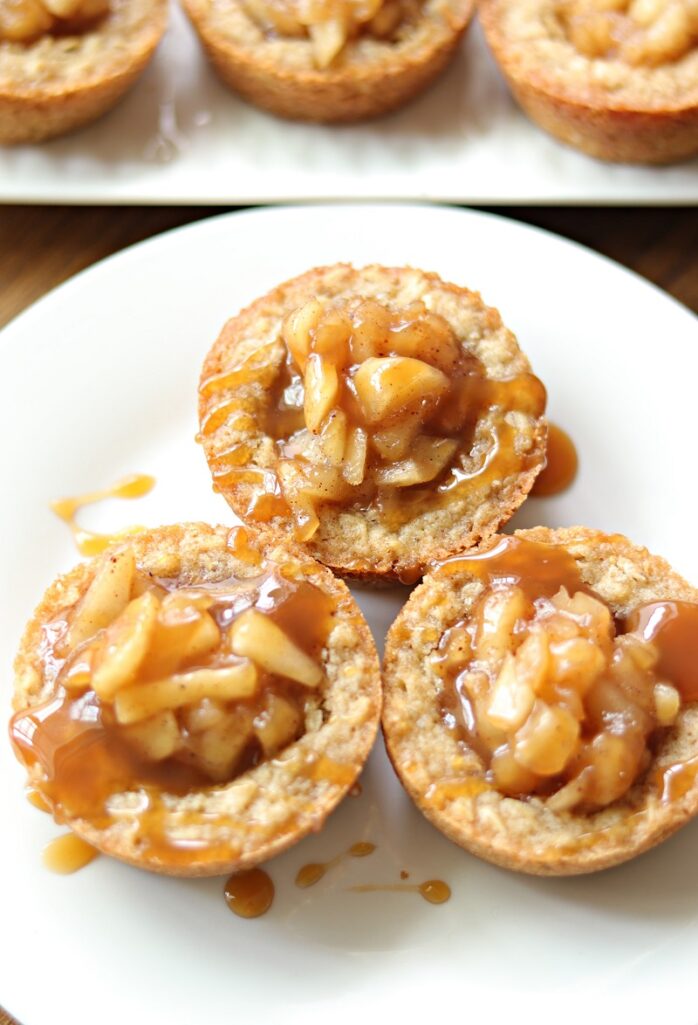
512	698
533	661
500	612
510	777
255	635
589	613
297	328
105	598
325	484
547	740
667	702
321	384
331	337
333	437
278	724
327	37
615	762
572	794
430	456
22	22
155	738
385	386
371	330
203	715
217	751
226	683
428	338
63	8
124	646
177	643
576	663
394	442
354	467
305	519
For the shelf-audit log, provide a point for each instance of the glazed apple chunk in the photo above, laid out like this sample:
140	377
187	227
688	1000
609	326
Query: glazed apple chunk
639	32
24	21
380	389
331	24
198	675
553	701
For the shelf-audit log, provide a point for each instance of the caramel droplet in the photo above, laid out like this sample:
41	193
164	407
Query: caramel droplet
67	854
310	874
435	891
361	849
561	465
249	894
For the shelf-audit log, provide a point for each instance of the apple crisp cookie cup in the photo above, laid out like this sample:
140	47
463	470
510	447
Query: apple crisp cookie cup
195	700
327	62
382	417
526	728
54	83
617	79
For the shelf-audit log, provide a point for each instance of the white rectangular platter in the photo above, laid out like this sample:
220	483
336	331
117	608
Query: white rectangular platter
182	137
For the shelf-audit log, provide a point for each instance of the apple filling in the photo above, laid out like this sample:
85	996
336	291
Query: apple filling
639	32
331	24
540	685
25	21
173	686
378	407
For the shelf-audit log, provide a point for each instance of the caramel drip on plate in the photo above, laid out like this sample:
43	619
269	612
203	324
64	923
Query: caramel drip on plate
88	542
314	871
249	894
67	854
434	891
561	464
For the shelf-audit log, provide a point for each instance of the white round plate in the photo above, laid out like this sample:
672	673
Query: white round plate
99	380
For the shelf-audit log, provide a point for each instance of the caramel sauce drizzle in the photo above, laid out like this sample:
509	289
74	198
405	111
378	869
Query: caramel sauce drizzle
249	894
675	781
313	872
540	570
88	542
68	853
434	891
83	761
478	462
561	464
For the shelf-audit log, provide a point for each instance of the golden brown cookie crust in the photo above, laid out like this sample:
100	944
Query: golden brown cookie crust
272	806
356	543
527	836
60	83
604	107
369	78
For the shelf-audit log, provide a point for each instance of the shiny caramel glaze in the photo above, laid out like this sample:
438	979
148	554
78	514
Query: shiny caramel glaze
314	871
249	894
74	744
37	799
434	891
67	854
677	779
540	571
475	464
672	626
561	464
88	542
474	437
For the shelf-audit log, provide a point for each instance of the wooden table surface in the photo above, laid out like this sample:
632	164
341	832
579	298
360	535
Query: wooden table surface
41	246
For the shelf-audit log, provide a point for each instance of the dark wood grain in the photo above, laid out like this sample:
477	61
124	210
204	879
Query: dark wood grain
42	246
